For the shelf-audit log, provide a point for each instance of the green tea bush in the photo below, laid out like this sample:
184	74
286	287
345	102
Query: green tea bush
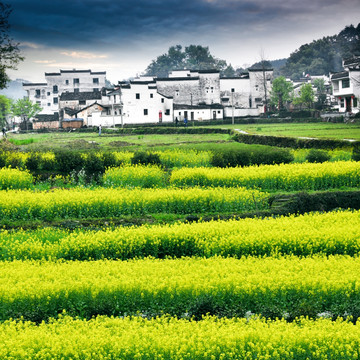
247	157
317	156
33	161
68	161
145	158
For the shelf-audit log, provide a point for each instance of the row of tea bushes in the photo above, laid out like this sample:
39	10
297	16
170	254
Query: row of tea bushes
286	287
85	203
169	338
314	233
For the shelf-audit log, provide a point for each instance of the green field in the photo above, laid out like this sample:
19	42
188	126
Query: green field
324	130
106	257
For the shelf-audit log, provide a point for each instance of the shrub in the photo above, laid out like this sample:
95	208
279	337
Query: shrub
246	157
33	161
356	153
145	158
68	161
94	167
317	156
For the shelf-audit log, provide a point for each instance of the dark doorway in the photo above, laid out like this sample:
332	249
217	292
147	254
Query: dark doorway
214	115
348	104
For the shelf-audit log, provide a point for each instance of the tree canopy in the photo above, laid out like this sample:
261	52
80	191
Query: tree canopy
9	50
281	92
25	109
5	109
193	57
306	97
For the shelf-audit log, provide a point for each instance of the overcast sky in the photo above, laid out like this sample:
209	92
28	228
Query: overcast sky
121	37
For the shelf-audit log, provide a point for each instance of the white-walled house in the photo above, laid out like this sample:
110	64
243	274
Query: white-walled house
246	95
47	94
191	87
137	102
346	86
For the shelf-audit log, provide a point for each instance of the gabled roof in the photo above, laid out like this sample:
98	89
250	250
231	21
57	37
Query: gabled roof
81	95
86	107
165	96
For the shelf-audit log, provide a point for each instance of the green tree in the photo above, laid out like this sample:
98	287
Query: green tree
307	96
320	93
25	109
281	92
229	71
5	110
193	57
9	50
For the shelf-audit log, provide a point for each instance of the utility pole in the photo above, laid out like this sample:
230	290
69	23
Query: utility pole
232	106
121	107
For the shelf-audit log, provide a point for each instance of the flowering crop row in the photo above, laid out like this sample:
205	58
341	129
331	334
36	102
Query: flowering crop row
169	158
81	203
274	287
289	177
15	179
172	339
327	233
135	176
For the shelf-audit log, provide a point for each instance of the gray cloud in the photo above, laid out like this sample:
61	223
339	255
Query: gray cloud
83	22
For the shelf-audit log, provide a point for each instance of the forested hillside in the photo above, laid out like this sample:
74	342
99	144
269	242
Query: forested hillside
324	55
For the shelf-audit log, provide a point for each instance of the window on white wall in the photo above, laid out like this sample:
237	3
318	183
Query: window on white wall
137	96
342	103
346	83
145	111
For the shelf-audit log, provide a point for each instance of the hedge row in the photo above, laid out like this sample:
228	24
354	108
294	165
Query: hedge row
295	143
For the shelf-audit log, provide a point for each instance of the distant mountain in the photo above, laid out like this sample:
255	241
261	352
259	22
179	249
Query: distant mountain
14	89
323	56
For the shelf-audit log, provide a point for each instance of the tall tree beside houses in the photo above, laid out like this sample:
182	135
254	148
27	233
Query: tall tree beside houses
281	92
193	57
26	110
5	110
306	97
9	50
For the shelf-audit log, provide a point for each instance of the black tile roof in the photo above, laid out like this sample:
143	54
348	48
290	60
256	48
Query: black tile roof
352	61
47	117
34	84
260	69
205	106
340	75
83	95
179	78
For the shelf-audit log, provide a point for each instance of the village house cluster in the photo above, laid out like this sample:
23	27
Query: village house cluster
76	98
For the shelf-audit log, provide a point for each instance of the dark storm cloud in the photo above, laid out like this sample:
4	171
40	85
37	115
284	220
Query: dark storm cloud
79	23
